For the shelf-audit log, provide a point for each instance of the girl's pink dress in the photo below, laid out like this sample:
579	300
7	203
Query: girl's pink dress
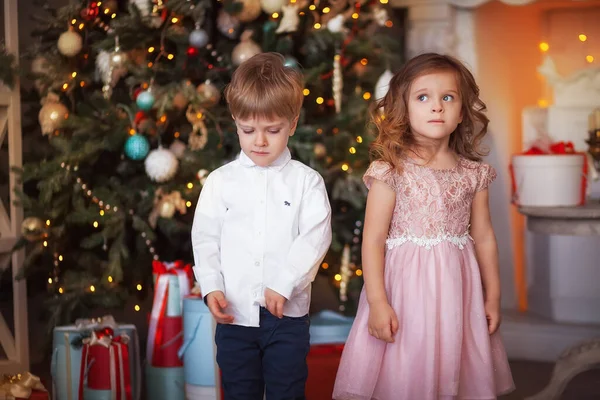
442	350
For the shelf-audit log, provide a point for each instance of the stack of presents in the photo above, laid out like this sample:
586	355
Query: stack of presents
99	359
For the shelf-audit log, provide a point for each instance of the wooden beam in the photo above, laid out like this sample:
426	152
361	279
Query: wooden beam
15	159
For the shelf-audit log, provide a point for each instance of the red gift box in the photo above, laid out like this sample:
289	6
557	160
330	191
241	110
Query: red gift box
165	333
36	395
105	364
323	361
168	341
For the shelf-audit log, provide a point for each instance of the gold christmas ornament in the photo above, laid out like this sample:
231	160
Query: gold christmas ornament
33	229
320	150
167	209
69	43
250	11
245	49
180	101
165	206
52	114
272	6
209	94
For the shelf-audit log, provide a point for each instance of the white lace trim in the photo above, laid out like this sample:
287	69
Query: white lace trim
429	242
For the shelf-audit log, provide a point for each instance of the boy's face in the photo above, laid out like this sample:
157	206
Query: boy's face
264	140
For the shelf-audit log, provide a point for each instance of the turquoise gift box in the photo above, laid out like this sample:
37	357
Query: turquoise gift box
65	366
329	327
198	350
164	383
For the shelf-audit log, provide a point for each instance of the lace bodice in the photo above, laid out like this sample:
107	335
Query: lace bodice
432	205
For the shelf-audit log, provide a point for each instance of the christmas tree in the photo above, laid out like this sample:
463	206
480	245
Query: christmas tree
132	121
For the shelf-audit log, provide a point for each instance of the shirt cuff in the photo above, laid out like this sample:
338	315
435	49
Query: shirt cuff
283	283
209	285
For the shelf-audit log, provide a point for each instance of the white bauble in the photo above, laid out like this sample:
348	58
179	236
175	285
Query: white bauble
178	148
336	24
244	50
272	6
228	25
383	84
161	165
70	43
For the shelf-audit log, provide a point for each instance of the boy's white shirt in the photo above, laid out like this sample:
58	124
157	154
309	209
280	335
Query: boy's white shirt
261	227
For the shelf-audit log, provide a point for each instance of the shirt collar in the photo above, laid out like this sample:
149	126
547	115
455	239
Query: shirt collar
277	165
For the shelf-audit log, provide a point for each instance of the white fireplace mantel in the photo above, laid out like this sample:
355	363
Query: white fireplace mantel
444	26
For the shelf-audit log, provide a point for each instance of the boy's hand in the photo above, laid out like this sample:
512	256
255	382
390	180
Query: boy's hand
383	322
274	302
216	304
492	313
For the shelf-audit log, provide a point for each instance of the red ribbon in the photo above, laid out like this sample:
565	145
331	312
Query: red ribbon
160	268
555	148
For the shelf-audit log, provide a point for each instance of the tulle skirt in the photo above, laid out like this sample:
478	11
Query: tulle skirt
443	349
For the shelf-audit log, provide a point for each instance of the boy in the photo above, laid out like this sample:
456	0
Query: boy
262	227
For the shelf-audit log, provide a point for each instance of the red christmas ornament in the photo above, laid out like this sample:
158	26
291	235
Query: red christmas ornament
91	12
192	51
139	117
136	93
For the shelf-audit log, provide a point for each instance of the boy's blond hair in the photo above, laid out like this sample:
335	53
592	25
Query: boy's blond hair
263	86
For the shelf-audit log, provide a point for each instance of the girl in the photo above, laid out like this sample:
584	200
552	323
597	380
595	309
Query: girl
426	329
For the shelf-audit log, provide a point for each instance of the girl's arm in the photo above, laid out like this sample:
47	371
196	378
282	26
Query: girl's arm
380	207
486	250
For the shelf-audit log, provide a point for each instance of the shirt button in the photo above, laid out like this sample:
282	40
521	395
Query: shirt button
257	263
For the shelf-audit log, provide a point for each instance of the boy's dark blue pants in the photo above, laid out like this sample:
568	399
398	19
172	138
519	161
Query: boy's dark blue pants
273	354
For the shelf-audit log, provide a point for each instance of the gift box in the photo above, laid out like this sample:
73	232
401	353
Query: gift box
24	386
323	361
179	278
329	327
198	351
173	281
165	383
67	355
549	176
167	342
105	366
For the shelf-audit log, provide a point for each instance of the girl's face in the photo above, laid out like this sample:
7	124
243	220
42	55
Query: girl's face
434	107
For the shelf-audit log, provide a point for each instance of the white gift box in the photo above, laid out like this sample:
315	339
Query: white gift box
549	180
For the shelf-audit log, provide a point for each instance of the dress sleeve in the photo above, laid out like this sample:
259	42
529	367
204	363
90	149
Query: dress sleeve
486	174
381	171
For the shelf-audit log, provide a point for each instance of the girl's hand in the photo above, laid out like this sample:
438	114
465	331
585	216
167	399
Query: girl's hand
383	323
492	314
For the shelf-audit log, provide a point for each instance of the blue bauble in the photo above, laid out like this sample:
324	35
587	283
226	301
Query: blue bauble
137	147
290	62
198	38
145	100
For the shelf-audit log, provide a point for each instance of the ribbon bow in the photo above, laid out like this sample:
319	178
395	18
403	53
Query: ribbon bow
20	385
105	337
107	321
